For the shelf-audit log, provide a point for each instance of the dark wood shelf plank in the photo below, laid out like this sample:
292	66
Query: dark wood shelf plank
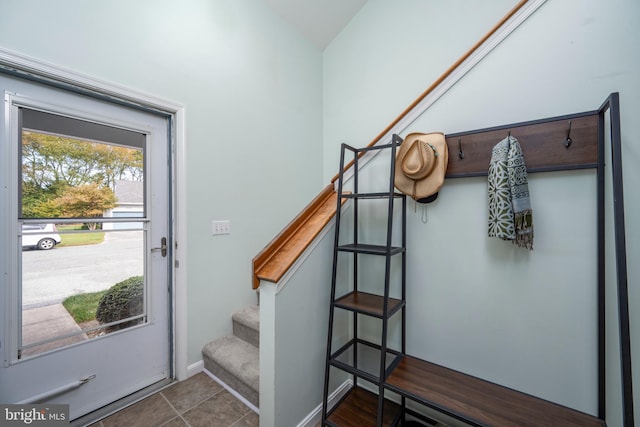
542	143
367	303
363	248
360	409
477	401
379	195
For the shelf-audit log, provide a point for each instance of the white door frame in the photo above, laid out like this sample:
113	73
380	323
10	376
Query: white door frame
59	76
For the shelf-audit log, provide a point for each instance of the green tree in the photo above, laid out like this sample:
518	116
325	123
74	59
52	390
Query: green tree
38	202
52	164
85	201
117	162
48	159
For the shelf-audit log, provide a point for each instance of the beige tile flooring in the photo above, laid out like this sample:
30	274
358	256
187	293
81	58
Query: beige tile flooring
196	402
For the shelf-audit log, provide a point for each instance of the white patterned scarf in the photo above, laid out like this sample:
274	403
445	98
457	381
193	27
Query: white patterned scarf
510	214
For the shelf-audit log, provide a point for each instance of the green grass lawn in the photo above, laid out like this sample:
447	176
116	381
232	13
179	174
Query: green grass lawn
78	239
82	307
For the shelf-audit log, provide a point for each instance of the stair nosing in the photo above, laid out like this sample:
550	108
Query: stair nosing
232	365
239	317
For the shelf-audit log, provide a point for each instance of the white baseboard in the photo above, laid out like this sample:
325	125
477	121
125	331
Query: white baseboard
232	391
195	368
198	367
315	416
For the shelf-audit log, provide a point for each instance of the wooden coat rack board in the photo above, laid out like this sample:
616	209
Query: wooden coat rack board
543	142
568	142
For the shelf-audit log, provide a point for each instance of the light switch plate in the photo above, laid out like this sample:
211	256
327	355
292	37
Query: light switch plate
220	227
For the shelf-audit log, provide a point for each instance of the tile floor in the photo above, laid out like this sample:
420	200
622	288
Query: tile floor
196	402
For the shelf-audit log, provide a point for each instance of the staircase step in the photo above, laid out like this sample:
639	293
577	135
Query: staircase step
236	363
246	325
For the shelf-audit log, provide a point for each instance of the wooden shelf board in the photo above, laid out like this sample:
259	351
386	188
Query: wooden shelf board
366	303
363	248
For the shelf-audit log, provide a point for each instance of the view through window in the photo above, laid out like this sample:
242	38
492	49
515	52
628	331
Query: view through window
81	222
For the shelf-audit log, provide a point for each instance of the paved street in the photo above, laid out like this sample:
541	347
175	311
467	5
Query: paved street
50	276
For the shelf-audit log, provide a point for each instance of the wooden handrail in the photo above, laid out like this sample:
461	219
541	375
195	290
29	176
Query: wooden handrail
440	79
278	256
284	249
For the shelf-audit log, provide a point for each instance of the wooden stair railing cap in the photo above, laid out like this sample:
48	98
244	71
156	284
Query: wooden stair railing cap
283	250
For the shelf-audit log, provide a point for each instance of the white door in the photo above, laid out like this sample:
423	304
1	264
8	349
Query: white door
85	216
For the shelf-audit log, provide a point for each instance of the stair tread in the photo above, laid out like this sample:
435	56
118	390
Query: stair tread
249	317
238	357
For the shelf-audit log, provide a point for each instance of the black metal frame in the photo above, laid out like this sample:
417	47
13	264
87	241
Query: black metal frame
356	248
612	106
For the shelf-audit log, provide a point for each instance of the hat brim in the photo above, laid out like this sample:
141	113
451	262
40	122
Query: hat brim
428	199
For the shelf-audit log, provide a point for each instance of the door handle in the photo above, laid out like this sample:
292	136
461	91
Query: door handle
162	248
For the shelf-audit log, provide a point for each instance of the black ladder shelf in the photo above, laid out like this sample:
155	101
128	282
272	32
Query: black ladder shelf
366	361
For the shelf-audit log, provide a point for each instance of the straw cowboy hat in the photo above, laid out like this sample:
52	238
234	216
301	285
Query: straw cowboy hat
421	163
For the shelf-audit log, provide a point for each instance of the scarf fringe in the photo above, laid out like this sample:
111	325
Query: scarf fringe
524	229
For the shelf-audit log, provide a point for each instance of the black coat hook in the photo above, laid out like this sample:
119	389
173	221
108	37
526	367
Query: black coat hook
568	141
460	152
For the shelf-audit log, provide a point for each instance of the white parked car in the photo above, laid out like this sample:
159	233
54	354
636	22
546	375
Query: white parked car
40	236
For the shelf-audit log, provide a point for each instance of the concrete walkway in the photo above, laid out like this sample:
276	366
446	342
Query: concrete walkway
41	323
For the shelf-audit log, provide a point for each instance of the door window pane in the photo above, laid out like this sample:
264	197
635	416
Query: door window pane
82	229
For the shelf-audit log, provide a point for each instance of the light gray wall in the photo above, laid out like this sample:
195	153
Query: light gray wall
252	91
386	57
526	320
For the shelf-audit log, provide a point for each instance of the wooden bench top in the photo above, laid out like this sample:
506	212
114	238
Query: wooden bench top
477	401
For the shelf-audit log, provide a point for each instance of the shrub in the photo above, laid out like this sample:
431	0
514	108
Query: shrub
122	300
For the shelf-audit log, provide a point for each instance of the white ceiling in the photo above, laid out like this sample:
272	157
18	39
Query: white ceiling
319	20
